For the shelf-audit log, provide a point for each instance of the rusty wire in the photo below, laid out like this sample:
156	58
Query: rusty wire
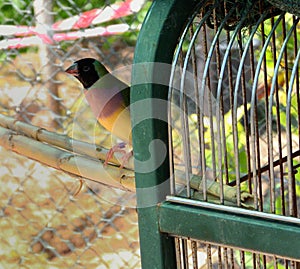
44	220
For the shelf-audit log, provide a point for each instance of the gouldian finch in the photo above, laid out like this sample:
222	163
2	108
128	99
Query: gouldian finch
108	98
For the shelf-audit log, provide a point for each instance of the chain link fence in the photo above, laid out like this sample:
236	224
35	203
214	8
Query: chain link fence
45	221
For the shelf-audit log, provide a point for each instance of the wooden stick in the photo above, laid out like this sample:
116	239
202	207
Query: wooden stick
61	141
77	165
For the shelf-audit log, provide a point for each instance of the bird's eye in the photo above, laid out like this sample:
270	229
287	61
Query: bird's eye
86	68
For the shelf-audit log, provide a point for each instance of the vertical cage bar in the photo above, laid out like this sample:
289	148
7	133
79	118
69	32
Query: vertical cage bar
234	114
170	92
291	175
292	190
178	253
206	76
219	117
185	253
296	41
262	61
278	121
185	132
208	256
195	82
194	254
242	259
254	138
253	113
244	51
231	93
183	108
201	123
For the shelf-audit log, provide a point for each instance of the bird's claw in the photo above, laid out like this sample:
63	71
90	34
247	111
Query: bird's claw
118	148
125	158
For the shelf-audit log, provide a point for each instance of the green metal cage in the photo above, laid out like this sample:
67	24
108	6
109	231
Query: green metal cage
215	114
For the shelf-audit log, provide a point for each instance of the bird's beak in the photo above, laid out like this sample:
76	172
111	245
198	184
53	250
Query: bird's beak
73	70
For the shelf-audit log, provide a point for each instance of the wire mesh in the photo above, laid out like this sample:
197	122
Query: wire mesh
234	118
43	223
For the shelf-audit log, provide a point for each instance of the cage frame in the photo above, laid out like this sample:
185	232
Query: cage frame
159	220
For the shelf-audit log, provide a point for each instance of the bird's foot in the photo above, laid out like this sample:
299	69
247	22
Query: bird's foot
125	158
118	148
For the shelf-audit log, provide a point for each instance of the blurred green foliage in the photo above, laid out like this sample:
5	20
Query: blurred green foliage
16	12
20	12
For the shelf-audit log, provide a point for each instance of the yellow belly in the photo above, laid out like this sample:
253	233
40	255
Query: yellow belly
118	123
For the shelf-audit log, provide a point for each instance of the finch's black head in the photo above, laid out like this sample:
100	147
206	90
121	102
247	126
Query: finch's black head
87	71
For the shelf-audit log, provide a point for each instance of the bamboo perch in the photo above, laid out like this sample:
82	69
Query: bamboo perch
82	159
66	161
61	141
214	190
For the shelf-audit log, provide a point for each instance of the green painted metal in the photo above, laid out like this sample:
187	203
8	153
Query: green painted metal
157	219
242	231
156	44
